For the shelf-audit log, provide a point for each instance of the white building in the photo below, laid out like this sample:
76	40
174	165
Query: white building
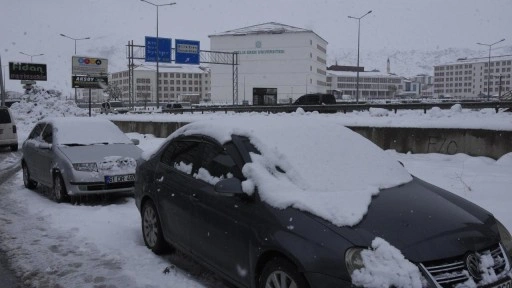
372	85
188	83
287	59
467	78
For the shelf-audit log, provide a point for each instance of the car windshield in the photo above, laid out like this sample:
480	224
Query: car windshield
4	116
79	131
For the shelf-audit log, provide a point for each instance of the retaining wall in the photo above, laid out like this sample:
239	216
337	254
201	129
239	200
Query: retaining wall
474	142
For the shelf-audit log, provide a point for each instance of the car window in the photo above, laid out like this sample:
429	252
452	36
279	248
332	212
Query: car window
218	162
48	134
182	154
4	116
36	132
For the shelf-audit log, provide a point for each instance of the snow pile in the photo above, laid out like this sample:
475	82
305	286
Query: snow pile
378	112
456	108
505	160
308	162
39	104
385	266
118	164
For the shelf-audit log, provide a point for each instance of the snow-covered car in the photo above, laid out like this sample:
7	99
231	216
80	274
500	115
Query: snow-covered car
78	156
8	130
306	202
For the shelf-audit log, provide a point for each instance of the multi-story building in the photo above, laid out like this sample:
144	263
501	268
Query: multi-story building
372	85
287	60
187	83
469	78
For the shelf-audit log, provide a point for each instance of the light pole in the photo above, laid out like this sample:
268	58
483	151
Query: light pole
74	39
31	56
358	41
489	66
157	53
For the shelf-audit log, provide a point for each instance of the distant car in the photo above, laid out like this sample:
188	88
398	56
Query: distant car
79	156
8	131
115	107
315	99
250	200
171	107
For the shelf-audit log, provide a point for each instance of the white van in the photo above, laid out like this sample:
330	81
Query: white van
8	133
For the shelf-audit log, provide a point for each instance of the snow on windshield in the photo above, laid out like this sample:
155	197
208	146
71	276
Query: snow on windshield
329	170
85	130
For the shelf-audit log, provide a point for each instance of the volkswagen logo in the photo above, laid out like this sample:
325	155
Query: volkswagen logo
473	265
258	44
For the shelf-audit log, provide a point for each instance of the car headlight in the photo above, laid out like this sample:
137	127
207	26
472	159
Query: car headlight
86	167
506	238
353	259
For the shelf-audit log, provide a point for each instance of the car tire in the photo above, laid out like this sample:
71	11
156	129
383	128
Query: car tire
29	183
152	229
14	148
59	188
281	273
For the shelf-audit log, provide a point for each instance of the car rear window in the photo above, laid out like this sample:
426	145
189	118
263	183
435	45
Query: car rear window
4	116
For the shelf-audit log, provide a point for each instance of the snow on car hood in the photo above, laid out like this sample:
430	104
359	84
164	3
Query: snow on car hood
330	170
108	157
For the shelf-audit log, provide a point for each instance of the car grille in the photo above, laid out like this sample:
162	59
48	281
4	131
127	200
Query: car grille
452	272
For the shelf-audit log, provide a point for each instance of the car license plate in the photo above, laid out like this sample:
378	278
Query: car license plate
506	284
119	178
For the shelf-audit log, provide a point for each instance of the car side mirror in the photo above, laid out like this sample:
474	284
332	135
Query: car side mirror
45	146
229	186
135	141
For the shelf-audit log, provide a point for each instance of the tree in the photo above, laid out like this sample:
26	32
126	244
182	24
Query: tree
113	91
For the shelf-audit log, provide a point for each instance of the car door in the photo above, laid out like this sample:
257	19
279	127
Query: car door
221	224
45	156
174	183
31	151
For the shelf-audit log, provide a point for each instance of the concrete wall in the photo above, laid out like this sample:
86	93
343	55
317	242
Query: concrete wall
474	142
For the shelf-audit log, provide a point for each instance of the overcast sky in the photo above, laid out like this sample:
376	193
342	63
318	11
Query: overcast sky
33	26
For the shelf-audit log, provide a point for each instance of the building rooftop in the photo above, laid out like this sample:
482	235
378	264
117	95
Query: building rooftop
362	74
265	28
466	60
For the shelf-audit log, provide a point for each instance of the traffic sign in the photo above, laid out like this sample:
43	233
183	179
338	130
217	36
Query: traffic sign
164	49
187	52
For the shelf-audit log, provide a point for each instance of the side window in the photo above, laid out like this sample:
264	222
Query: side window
182	155
36	132
218	164
48	134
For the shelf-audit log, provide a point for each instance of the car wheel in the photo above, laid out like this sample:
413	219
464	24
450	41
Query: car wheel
152	230
14	148
29	183
59	188
281	273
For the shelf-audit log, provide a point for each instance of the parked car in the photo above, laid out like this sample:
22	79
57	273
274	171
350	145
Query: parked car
300	203
315	99
79	156
169	107
8	131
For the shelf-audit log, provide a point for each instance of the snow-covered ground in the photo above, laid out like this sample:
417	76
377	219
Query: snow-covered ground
98	242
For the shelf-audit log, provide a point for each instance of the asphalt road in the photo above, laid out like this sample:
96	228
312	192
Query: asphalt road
8	278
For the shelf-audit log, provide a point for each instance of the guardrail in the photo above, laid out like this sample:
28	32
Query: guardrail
335	108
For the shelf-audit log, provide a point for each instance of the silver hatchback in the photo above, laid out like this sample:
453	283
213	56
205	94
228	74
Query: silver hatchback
79	156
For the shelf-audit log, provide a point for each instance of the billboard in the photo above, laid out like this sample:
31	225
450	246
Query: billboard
27	71
93	82
81	65
164	49
187	52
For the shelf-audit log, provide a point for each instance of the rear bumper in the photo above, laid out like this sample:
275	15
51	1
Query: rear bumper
9	142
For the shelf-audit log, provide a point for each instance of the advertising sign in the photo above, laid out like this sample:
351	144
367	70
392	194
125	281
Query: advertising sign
96	82
187	52
27	71
81	65
164	49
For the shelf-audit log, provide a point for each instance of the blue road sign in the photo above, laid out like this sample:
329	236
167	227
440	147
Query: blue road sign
187	51
164	49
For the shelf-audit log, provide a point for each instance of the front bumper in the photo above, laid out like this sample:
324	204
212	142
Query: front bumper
86	188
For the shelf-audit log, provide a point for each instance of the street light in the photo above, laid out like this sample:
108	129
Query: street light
31	56
358	41
489	66
157	53
74	39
